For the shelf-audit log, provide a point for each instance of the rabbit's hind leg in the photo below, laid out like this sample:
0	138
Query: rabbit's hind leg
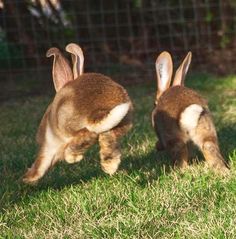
179	153
48	155
206	139
110	153
78	145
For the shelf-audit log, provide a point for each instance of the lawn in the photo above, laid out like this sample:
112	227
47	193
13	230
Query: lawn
146	198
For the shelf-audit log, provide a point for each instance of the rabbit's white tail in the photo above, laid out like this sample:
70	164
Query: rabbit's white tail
189	118
111	120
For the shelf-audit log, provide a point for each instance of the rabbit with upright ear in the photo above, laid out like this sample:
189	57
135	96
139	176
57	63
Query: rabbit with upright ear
87	107
182	115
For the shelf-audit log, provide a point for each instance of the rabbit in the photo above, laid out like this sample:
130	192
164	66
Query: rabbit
181	116
87	107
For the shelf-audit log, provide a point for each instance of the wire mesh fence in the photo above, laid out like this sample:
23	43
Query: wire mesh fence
119	38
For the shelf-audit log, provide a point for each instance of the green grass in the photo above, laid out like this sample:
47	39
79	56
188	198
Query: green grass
145	199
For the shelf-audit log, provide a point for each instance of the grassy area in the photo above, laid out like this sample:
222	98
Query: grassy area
145	199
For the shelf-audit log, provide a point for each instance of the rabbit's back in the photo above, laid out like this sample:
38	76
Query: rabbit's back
176	99
93	90
168	111
89	98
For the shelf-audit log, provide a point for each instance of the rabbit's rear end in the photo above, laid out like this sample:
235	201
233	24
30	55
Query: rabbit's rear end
87	108
182	115
87	103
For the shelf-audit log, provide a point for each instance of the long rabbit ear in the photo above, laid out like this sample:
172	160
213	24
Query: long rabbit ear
61	71
182	70
77	59
164	70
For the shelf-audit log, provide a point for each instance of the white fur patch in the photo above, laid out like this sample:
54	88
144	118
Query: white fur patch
113	119
190	116
52	142
51	147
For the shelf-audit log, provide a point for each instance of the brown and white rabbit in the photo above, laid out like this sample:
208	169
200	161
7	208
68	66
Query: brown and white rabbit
87	107
182	115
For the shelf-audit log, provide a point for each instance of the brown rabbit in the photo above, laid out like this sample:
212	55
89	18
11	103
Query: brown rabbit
182	115
87	107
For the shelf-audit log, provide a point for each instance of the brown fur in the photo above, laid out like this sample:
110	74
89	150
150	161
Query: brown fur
92	96
62	132
167	111
183	98
170	104
109	145
78	145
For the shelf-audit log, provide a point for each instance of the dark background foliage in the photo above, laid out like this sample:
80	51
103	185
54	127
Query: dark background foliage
120	38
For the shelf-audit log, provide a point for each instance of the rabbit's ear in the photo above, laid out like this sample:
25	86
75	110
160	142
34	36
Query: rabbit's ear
164	70
182	70
77	59
61	71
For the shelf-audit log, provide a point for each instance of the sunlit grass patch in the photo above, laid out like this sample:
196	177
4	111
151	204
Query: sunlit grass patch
145	199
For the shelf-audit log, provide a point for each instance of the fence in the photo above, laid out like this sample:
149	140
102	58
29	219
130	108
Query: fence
120	38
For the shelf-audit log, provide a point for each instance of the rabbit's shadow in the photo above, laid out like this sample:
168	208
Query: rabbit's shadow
227	142
148	166
65	175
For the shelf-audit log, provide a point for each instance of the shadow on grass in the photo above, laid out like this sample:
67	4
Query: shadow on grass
227	140
156	164
148	167
63	175
14	191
